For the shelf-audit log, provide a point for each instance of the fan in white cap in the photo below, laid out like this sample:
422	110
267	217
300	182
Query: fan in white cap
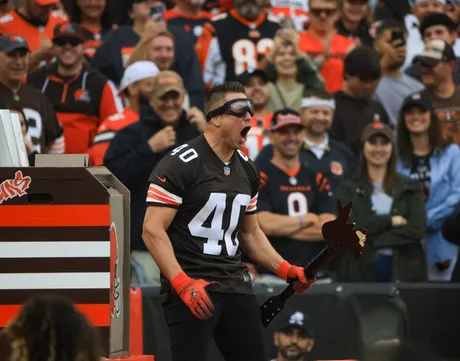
137	71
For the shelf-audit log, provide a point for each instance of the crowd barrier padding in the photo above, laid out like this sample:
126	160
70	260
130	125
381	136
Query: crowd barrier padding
347	318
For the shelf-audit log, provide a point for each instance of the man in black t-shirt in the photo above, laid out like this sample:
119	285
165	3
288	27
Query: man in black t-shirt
292	207
201	203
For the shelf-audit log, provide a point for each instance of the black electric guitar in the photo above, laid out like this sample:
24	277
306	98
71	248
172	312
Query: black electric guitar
339	236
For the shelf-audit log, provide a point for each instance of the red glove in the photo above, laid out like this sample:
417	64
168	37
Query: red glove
192	292
289	272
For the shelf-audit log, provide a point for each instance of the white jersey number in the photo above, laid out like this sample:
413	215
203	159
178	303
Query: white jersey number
297	204
245	53
35	130
215	233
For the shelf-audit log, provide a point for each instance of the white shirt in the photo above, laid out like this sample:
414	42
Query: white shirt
320	148
414	41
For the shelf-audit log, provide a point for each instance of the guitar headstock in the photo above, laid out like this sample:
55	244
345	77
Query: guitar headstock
343	236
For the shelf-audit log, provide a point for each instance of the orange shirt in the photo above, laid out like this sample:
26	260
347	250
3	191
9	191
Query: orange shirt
257	136
13	23
107	131
332	69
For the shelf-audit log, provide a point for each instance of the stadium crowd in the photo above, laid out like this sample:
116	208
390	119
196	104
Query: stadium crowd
353	100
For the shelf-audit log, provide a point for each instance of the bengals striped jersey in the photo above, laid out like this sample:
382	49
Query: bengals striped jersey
230	44
211	199
257	136
293	193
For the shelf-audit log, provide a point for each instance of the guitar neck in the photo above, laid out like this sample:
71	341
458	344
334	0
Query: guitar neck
322	259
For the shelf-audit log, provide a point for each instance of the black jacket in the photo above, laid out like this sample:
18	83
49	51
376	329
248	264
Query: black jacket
351	117
409	263
131	160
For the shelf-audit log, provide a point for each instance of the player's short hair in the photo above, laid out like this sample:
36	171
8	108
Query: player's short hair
317	93
389	24
216	95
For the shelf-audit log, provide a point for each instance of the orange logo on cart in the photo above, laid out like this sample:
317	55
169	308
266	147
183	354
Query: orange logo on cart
115	307
16	187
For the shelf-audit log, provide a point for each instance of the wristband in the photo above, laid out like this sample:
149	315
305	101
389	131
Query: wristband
283	270
302	224
179	281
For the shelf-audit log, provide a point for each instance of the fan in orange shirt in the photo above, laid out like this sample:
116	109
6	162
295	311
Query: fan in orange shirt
35	22
256	84
322	43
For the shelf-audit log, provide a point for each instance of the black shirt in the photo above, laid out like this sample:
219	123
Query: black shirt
421	171
294	194
351	117
211	199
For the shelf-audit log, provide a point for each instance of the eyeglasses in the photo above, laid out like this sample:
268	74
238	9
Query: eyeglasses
318	11
65	41
237	107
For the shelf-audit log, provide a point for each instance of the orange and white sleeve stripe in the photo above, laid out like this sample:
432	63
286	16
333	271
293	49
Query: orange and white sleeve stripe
159	195
253	204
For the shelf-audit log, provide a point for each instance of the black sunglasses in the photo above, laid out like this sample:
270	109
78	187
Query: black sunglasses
65	41
237	107
318	11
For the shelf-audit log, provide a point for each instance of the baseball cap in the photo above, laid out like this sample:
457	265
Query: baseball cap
9	43
46	2
297	319
137	71
377	128
68	30
433	19
436	51
285	117
246	76
418	99
167	81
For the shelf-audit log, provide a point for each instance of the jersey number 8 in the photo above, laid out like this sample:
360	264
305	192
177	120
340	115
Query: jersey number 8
214	234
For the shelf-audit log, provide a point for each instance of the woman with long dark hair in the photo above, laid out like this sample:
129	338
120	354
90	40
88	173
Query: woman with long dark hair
390	207
426	157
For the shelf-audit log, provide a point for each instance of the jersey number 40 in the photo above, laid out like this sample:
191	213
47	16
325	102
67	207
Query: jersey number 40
215	234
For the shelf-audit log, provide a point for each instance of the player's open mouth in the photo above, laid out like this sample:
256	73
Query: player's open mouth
244	133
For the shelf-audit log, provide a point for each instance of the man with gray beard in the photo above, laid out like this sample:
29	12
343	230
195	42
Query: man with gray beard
295	339
235	41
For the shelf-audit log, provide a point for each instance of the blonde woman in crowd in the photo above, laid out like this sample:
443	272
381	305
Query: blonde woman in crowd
290	72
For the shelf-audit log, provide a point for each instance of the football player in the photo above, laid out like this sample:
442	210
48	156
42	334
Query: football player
201	210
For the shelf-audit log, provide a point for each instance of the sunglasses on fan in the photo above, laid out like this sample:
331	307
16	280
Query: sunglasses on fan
65	41
235	107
